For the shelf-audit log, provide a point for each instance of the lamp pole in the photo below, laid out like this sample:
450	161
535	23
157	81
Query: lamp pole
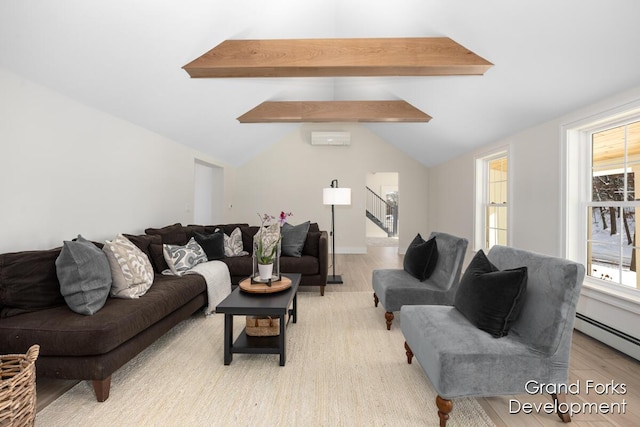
333	280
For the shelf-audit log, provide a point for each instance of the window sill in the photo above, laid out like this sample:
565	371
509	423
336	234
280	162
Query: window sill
626	299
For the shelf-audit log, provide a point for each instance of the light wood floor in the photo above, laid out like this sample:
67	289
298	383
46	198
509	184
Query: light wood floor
590	361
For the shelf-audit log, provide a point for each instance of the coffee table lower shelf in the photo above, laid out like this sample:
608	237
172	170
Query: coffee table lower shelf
256	345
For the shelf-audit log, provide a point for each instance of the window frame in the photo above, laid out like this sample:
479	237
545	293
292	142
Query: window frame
481	195
576	193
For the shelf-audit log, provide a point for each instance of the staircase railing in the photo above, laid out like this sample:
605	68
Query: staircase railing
382	213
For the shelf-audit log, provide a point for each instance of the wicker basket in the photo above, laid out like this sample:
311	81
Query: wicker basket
263	326
18	388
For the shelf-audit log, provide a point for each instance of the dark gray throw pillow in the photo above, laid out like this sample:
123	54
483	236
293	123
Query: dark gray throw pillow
293	238
84	275
490	298
213	244
421	257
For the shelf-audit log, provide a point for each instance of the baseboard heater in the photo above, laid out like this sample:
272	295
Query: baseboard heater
613	337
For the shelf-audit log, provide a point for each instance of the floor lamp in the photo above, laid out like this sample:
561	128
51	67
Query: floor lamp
335	196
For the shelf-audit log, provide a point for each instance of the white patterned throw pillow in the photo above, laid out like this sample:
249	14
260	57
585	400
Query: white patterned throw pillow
181	259
131	269
233	244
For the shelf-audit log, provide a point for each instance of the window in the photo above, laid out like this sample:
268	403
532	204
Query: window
492	200
611	210
602	161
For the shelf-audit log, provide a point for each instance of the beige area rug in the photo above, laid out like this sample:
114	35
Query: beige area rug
343	369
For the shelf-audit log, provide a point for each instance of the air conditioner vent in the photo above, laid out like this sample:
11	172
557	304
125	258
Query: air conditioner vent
330	138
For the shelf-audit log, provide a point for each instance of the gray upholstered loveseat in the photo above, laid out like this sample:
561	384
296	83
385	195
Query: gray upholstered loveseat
462	360
395	287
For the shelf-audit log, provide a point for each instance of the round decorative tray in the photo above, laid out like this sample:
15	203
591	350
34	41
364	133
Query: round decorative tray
263	288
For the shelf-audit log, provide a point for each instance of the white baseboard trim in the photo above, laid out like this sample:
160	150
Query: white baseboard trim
612	337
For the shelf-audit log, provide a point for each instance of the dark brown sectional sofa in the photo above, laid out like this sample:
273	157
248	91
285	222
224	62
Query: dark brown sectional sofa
313	264
75	346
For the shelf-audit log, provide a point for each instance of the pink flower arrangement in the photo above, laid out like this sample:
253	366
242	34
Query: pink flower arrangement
283	217
268	237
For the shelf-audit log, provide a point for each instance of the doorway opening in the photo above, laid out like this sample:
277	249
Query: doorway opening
382	210
208	194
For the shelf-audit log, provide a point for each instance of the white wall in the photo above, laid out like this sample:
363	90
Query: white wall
379	181
536	171
290	176
534	165
67	169
536	187
451	197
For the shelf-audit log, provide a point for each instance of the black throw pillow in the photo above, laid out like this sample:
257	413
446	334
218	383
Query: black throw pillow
490	298
421	258
213	244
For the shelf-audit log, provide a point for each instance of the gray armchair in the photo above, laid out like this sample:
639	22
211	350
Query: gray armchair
461	360
395	287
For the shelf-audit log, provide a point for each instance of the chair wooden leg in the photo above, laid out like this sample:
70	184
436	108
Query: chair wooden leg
375	299
445	406
409	353
389	316
560	400
101	388
322	290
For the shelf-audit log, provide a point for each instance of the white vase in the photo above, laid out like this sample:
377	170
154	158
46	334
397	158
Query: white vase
265	271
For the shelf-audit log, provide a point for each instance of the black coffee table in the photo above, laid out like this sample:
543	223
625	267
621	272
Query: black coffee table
240	303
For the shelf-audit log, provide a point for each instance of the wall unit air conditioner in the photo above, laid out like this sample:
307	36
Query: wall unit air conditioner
330	138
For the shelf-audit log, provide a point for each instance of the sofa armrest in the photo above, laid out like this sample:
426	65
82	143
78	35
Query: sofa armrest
323	255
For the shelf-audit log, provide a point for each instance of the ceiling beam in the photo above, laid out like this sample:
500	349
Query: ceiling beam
426	56
333	111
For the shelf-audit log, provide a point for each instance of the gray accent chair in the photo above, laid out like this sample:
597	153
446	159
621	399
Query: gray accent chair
395	287
461	360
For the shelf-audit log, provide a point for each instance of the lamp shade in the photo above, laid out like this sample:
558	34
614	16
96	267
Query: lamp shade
336	196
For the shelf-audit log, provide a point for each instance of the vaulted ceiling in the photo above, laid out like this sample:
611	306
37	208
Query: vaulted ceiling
125	57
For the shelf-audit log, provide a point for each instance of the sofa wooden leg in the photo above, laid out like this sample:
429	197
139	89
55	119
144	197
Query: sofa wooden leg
322	290
409	353
389	316
102	387
445	406
375	299
560	400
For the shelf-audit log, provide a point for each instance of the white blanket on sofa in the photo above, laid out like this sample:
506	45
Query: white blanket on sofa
216	274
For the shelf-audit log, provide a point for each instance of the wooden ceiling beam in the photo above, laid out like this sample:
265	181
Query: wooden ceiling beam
358	57
333	111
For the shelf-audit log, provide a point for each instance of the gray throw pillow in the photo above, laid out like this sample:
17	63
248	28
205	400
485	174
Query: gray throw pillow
181	259
84	275
293	238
